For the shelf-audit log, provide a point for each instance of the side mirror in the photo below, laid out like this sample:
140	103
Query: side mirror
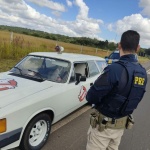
83	78
79	78
106	57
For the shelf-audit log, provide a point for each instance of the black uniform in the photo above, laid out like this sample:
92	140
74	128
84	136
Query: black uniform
119	89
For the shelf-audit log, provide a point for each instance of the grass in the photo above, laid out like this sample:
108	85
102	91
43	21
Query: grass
7	64
12	50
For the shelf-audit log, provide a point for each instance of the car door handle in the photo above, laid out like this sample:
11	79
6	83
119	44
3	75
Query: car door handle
91	84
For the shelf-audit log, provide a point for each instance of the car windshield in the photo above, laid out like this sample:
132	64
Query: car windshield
43	68
114	56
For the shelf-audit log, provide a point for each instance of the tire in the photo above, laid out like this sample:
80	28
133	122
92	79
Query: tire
36	133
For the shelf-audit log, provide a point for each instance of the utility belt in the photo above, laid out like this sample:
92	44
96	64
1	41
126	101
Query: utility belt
98	120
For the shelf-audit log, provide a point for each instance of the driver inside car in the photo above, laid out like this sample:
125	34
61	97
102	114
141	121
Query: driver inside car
54	75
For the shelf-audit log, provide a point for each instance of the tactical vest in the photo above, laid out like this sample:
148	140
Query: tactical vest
121	103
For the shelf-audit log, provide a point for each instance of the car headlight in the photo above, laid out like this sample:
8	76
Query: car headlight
3	125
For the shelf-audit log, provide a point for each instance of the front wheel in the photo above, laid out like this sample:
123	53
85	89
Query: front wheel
36	133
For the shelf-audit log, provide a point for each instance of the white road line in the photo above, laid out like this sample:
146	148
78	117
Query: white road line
69	118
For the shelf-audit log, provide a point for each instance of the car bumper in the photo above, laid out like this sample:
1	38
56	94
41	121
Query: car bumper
10	137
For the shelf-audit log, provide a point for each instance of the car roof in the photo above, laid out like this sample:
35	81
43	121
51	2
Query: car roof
116	51
68	56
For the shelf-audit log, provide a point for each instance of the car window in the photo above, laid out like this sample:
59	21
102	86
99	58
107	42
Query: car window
44	68
114	56
57	70
79	69
93	70
31	62
52	62
101	65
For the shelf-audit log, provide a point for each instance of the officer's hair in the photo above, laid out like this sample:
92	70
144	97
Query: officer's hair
130	40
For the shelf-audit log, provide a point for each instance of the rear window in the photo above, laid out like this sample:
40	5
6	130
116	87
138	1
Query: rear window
93	70
101	65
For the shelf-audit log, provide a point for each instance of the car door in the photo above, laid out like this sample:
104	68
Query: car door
73	94
77	92
67	100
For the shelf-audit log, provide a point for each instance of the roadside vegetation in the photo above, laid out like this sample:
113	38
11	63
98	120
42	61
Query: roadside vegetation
57	37
14	46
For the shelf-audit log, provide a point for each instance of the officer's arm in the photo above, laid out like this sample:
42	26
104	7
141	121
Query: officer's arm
100	88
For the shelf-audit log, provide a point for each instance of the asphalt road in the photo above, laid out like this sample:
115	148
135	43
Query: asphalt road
73	135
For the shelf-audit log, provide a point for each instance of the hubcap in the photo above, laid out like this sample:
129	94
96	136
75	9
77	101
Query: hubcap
38	133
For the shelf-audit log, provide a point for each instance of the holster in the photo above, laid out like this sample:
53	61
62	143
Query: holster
98	120
130	122
93	119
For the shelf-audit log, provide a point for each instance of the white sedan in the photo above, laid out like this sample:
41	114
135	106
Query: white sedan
40	90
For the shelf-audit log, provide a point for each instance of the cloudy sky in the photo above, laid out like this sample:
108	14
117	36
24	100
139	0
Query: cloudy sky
101	19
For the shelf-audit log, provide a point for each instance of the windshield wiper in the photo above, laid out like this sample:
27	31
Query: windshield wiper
19	70
37	73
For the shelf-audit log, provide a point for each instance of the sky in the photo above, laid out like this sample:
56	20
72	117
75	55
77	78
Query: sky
100	19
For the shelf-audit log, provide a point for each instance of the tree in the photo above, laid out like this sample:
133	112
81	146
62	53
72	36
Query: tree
112	46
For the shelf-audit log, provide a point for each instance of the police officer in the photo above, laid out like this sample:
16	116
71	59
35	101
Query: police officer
115	94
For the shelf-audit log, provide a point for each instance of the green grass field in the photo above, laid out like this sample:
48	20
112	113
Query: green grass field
11	51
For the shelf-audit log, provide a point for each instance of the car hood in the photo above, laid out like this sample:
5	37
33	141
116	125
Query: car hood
13	88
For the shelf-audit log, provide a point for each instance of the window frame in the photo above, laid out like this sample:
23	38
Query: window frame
73	69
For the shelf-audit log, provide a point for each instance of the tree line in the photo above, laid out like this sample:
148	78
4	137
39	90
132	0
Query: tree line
85	41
